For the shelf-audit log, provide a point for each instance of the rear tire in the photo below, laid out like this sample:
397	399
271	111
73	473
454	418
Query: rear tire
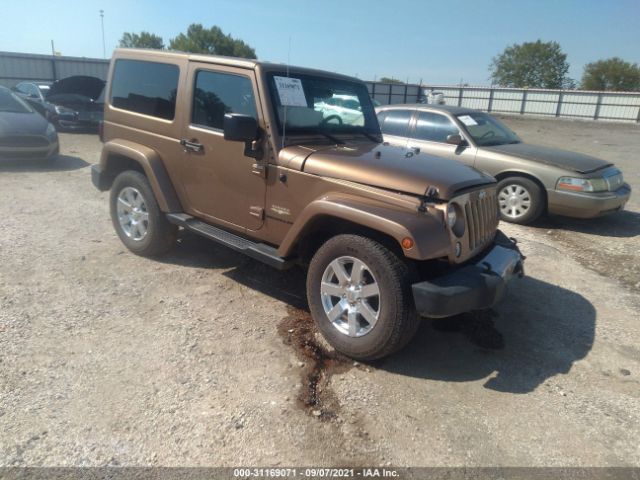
344	305
137	218
520	200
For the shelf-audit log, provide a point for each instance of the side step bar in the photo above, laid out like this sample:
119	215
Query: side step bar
259	251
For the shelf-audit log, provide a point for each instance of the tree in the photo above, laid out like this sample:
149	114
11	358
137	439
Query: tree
390	80
213	41
611	74
531	64
143	40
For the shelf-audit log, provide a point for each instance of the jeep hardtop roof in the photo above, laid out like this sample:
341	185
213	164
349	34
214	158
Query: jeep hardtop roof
253	64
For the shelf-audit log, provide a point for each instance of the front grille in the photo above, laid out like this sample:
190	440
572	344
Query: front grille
614	182
26	141
481	215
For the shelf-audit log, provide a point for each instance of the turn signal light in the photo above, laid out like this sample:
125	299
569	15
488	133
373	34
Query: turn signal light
407	243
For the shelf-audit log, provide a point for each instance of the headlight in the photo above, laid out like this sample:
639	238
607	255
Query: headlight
582	184
51	130
452	215
455	219
64	110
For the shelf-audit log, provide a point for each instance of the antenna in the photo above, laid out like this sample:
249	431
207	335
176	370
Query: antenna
284	125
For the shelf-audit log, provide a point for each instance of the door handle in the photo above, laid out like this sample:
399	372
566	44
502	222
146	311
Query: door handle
192	145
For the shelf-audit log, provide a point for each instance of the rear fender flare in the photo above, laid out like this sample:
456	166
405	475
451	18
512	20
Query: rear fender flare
151	164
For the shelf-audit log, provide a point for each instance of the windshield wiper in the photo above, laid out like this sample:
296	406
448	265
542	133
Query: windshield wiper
335	140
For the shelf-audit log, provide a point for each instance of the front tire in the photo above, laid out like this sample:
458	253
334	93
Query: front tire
360	297
137	218
520	200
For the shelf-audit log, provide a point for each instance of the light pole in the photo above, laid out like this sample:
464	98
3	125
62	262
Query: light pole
104	48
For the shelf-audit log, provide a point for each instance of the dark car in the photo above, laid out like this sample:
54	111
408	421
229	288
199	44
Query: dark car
24	133
35	93
78	102
72	103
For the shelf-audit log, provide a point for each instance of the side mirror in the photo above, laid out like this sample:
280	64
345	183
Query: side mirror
240	128
456	139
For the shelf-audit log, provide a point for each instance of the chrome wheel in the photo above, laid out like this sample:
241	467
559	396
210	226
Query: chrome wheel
350	296
132	213
514	201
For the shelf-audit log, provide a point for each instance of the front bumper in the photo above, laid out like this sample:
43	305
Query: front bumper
477	286
587	205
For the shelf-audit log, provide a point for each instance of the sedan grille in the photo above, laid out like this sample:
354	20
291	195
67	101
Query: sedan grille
24	141
481	215
614	182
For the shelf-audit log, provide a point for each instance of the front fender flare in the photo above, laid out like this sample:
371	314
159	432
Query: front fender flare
428	232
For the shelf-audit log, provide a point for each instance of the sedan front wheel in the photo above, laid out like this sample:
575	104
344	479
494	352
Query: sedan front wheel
520	200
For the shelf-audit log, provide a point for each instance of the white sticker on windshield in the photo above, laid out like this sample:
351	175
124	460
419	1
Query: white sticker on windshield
290	92
467	120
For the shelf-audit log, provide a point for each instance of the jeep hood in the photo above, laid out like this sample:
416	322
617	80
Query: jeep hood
573	161
387	167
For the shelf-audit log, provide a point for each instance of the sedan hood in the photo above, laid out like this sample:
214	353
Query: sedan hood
12	124
90	87
576	162
387	167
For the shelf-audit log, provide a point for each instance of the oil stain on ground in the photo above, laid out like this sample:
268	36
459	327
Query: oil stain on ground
316	397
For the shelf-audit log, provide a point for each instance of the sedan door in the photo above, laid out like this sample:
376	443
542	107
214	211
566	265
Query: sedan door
430	132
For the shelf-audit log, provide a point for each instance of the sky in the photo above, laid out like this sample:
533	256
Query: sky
438	42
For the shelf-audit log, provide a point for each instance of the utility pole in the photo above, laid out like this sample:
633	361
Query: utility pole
104	48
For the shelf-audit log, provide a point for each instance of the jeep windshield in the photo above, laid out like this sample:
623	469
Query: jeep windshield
317	105
486	130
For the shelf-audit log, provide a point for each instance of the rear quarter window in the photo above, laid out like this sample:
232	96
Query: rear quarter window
144	87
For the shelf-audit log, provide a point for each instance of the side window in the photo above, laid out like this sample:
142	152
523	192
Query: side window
396	122
143	87
434	127
218	93
23	88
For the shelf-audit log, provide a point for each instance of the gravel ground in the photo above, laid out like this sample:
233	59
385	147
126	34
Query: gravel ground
197	359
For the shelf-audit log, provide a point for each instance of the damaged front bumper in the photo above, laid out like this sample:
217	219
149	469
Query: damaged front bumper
476	286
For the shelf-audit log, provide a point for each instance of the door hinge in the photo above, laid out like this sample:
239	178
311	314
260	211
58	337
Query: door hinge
257	212
259	169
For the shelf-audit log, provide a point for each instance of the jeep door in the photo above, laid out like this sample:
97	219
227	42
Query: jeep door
222	184
429	133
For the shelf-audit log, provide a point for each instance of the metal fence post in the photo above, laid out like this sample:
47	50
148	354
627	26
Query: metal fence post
390	90
524	102
405	92
559	106
596	114
460	91
490	99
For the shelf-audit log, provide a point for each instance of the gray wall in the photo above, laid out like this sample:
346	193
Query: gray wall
18	67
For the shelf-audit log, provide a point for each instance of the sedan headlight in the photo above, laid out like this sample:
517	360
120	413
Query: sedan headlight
455	219
50	131
582	184
64	110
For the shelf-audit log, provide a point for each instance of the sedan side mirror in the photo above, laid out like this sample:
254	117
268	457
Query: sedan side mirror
456	139
240	128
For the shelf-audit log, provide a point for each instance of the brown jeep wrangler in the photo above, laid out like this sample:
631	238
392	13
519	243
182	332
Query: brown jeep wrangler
287	165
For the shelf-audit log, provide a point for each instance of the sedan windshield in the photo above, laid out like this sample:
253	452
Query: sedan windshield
486	130
9	102
310	104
